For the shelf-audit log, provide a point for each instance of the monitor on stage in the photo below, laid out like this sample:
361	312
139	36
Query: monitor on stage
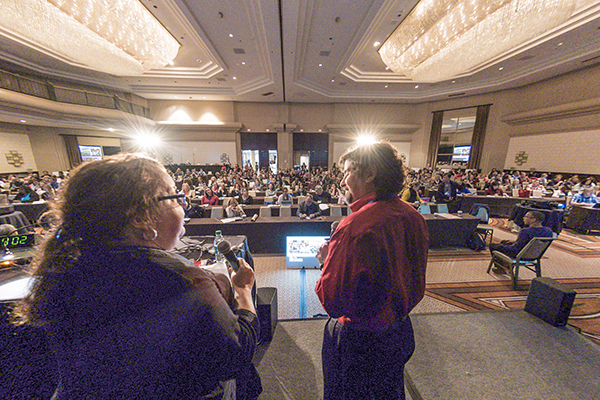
301	251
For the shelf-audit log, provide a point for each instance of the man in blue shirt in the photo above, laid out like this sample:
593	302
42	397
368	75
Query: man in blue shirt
585	197
533	220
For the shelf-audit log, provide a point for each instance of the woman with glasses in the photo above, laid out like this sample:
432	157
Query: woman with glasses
128	318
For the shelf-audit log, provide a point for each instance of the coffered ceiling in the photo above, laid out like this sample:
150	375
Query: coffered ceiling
312	51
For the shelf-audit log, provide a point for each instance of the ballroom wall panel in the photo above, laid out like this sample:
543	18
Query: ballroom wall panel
576	152
19	143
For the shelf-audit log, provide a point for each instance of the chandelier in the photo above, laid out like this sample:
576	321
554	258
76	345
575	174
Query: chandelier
441	39
119	37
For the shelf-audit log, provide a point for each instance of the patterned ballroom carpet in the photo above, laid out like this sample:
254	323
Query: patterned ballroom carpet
471	296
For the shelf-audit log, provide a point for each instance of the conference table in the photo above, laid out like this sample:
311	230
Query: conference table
254	209
583	218
268	234
501	206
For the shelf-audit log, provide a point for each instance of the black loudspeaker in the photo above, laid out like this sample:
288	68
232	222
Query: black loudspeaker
550	301
266	308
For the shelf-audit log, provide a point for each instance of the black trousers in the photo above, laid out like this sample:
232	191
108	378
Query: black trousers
366	365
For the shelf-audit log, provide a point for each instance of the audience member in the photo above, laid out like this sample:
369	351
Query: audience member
246	199
585	197
309	209
285	199
128	318
321	196
533	220
233	209
209	198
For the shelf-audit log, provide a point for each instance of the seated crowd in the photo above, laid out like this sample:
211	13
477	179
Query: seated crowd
426	184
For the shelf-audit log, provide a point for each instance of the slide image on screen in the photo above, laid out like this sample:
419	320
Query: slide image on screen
301	251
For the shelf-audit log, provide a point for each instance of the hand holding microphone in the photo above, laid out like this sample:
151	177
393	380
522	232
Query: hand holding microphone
242	278
224	248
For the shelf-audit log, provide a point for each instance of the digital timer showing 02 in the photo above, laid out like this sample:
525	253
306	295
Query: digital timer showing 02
16	241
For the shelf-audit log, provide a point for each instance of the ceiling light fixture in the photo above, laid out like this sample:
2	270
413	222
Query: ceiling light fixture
117	37
426	45
376	44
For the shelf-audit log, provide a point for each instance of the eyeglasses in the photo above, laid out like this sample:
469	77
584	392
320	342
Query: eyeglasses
179	197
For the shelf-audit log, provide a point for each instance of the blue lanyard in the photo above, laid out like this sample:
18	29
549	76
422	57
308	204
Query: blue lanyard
383	198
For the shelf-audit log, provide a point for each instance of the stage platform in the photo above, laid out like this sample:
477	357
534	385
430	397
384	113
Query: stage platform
469	355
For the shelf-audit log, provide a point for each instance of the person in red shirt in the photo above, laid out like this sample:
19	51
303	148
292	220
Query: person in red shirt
209	198
373	276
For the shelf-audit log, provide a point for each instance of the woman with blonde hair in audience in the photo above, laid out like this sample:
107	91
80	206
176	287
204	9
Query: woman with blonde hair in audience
126	317
234	209
186	188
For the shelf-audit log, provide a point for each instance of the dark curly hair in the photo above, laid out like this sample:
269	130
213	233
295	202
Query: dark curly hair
384	158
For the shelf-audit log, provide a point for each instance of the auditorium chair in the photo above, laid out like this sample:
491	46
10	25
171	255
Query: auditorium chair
216	212
264	212
301	199
336	211
269	200
252	193
285	211
226	201
529	257
482	212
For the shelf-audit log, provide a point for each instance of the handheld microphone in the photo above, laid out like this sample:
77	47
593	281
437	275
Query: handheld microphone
224	248
334	226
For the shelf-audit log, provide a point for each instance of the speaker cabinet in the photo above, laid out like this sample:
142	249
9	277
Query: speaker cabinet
266	308
550	301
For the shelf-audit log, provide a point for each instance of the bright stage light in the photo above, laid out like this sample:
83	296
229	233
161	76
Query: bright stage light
364	140
147	140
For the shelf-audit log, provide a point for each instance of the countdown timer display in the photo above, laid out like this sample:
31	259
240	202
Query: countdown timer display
17	241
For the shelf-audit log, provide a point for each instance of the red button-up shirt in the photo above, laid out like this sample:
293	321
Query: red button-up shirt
375	268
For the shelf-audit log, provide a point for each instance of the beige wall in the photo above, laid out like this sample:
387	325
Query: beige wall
568	103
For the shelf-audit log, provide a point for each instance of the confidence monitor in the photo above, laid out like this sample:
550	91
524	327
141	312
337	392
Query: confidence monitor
301	251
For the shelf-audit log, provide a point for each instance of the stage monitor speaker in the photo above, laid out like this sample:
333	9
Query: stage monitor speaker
550	301
266	308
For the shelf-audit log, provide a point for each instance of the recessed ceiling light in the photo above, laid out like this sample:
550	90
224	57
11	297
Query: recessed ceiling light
231	35
248	129
233	77
453	81
387	68
560	44
333	80
500	69
267	130
243	62
301	130
320	130
320	65
416	86
387	86
198	60
22	121
376	44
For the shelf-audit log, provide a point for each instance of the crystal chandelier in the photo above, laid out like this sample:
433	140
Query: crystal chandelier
119	37
441	39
